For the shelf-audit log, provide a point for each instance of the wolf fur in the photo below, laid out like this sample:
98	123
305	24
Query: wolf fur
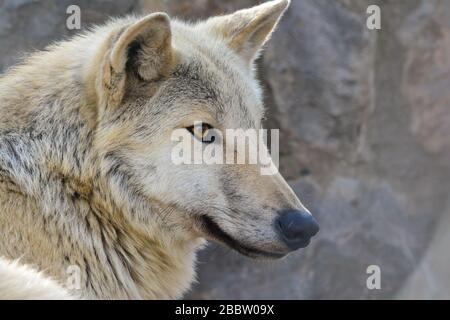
19	282
85	172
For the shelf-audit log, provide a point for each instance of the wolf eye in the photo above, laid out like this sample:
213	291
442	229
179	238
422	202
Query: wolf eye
202	132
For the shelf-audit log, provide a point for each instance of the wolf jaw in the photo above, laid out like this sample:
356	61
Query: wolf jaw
214	232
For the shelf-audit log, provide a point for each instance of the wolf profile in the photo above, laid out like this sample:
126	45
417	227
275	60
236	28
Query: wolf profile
86	177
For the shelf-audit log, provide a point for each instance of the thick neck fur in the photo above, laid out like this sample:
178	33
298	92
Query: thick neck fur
57	209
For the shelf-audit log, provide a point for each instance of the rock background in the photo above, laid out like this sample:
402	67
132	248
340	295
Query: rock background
365	139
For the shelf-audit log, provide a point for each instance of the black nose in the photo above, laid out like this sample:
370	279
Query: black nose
296	228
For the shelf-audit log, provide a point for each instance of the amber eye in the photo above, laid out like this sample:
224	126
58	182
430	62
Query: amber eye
202	132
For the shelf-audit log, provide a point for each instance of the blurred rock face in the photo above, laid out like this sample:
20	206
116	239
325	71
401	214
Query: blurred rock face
27	25
365	139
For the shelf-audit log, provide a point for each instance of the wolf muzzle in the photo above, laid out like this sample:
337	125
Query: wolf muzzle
296	228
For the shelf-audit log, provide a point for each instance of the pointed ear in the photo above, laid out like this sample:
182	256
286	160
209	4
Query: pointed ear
142	51
246	31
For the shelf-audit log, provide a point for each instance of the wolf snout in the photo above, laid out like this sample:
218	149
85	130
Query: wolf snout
296	228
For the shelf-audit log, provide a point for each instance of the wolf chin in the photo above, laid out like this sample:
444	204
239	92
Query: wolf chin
85	173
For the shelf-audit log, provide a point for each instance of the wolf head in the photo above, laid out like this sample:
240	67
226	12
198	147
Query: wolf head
158	75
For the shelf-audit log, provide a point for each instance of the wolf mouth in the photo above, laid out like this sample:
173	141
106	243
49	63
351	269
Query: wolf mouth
216	233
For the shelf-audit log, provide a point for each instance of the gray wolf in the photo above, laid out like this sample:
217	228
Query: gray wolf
85	173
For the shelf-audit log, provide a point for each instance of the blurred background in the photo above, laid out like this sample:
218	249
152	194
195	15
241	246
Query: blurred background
364	119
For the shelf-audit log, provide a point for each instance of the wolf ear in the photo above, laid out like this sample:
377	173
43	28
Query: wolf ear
246	31
143	50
